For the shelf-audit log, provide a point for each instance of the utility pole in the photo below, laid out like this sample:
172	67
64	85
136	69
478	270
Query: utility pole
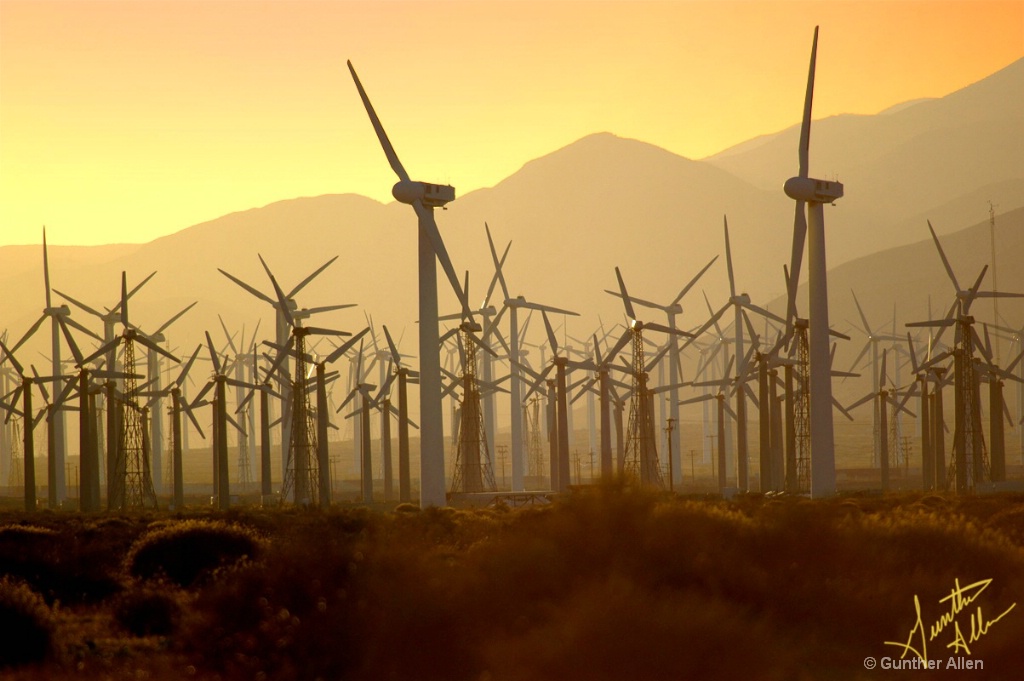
995	278
668	430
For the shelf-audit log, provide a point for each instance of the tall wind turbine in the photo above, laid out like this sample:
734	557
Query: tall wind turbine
424	198
56	483
282	334
672	310
815	194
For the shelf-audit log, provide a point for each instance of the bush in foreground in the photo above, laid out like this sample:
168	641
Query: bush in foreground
27	625
186	552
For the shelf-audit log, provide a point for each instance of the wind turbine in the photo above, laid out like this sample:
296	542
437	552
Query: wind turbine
24	391
109	318
365	453
815	194
882	398
605	393
424	198
153	373
995	376
641	451
283	330
721	397
672	310
56	483
299	469
245	371
405	376
515	354
219	382
739	303
969	462
873	339
89	427
130	482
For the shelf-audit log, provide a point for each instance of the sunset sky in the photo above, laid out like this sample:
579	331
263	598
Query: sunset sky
125	121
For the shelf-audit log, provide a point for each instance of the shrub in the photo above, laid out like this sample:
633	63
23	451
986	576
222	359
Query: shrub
27	625
148	612
186	552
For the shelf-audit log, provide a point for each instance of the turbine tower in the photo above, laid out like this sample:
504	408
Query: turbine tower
130	482
815	194
424	198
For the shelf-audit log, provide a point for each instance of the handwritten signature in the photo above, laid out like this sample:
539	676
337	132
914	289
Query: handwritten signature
958	600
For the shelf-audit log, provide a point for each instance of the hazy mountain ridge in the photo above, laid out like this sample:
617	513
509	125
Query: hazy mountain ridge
575	214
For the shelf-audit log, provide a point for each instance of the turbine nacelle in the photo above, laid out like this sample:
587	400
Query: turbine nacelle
430	195
811	190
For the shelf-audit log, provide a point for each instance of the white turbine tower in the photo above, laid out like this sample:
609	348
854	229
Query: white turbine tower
815	193
424	197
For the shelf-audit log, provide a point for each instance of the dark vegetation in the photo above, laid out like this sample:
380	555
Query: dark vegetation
606	584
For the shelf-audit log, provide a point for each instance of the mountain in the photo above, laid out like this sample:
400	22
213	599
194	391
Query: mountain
601	202
909	158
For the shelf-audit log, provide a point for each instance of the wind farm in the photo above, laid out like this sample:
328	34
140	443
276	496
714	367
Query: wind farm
621	404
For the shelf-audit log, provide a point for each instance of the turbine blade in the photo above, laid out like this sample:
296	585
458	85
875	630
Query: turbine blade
71	341
391	344
28	334
227	334
610	356
347	345
213	354
728	258
46	271
864	400
124	299
913	355
552	341
945	261
191	417
496	275
250	289
796	259
81	306
863	319
625	296
498	264
302	284
805	124
282	302
842	410
104	349
143	340
389	150
429	226
974	290
73	323
327	308
188	365
176	317
694	281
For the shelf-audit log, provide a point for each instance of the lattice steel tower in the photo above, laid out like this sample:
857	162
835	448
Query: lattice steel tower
132	480
802	408
641	443
244	468
300	475
969	463
535	460
473	471
14	476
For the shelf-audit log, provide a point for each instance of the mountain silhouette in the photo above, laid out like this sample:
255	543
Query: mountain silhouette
601	202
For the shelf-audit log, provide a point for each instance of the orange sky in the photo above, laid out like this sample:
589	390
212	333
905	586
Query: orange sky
124	121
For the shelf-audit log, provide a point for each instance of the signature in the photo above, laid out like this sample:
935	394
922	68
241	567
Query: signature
960	598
